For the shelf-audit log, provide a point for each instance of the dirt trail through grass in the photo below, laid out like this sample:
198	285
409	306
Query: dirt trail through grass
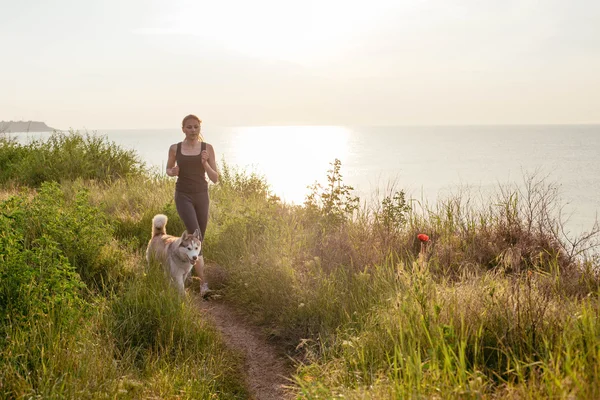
266	371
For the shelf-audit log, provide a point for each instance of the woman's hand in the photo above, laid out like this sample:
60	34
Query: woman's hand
204	156
174	171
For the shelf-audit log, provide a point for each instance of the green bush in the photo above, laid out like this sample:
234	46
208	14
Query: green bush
66	156
34	281
81	232
334	204
11	152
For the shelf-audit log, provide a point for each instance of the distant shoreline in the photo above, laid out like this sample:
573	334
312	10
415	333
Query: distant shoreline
24	126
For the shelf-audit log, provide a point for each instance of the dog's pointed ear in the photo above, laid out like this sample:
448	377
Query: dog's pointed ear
197	234
184	235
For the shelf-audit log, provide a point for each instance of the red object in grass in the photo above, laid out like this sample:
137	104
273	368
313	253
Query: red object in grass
423	237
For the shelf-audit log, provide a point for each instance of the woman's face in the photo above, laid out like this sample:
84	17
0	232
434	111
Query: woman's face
191	128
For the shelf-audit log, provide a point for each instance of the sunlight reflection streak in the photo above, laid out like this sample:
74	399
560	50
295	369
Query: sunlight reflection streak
289	156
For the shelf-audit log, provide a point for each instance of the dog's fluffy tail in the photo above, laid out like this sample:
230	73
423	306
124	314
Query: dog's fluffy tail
159	225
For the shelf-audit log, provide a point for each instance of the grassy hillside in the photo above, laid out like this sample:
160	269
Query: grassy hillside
499	302
81	316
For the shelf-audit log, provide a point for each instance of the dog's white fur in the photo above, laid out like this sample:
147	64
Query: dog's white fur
177	254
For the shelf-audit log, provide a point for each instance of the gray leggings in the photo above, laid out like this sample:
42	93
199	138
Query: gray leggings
193	210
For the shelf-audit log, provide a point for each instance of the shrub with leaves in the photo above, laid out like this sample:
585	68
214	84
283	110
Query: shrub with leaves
66	156
79	230
35	278
334	203
394	211
328	211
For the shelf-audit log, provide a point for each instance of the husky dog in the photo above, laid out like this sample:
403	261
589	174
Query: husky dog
177	254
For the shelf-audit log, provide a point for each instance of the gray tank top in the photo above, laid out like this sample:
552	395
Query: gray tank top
192	176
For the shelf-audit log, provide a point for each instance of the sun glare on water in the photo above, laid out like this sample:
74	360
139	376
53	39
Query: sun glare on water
290	157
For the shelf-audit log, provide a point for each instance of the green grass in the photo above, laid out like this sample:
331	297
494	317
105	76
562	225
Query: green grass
501	304
65	157
80	314
145	343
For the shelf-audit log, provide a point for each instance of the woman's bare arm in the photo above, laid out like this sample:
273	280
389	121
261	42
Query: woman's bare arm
210	165
172	169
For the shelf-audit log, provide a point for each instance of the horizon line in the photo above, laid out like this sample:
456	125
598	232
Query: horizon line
348	125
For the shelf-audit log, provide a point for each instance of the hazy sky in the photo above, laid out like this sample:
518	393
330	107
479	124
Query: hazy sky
146	63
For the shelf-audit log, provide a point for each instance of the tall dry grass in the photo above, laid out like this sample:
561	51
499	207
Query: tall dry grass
485	311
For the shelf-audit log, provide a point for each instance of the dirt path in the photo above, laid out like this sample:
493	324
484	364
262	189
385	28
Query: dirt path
265	370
